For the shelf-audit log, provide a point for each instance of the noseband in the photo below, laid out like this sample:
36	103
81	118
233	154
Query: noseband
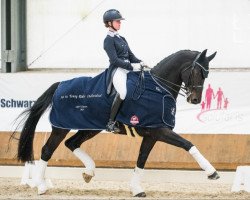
187	90
190	86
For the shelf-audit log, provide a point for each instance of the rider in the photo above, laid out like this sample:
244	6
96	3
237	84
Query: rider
120	58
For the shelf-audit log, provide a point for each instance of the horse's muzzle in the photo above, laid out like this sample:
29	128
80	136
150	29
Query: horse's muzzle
194	98
195	101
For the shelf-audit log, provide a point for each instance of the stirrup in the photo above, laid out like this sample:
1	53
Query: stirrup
112	127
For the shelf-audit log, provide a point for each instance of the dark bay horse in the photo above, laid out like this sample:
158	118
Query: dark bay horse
188	67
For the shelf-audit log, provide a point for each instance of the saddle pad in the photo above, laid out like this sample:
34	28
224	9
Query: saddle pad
149	105
82	103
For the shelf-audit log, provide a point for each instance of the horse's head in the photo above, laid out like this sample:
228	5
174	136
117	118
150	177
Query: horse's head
194	76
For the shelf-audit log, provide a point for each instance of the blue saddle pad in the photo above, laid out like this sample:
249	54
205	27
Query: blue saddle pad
82	103
147	103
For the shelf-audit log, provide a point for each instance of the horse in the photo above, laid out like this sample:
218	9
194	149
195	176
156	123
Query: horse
184	71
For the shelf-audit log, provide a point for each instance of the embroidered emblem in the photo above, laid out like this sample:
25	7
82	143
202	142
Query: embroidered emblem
173	111
158	89
134	120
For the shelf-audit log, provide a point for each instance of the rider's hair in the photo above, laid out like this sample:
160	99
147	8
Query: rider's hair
106	24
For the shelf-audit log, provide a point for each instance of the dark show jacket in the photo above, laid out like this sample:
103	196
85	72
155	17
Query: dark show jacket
119	55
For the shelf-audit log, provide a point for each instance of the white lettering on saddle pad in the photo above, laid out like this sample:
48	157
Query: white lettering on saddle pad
81	108
94	95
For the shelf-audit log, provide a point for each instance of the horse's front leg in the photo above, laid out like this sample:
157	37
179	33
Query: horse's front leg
74	143
135	184
168	136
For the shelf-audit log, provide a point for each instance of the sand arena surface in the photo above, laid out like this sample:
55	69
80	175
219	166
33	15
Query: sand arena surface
114	184
10	188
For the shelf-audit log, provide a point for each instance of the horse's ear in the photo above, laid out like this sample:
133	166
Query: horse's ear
202	55
211	57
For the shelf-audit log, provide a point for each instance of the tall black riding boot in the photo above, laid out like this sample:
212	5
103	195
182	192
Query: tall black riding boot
112	126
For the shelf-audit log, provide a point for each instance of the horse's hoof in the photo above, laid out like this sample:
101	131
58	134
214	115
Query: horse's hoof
214	176
141	194
87	178
41	192
42	188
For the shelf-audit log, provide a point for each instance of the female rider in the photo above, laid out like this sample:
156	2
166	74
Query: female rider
121	59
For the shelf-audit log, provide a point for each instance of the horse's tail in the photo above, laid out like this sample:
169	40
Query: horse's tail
32	116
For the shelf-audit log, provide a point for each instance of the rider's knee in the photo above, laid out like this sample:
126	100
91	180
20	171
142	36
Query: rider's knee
123	95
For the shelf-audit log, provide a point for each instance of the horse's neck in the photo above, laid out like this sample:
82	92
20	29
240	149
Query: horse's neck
171	72
171	75
173	78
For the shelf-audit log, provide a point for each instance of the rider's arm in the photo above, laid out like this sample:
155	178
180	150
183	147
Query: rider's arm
109	47
132	57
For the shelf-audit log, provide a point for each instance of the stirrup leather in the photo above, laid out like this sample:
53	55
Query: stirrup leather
112	127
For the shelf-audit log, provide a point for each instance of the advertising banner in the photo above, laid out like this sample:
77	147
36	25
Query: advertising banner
224	108
19	91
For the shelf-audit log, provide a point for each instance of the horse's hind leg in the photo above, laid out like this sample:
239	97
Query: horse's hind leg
56	137
74	143
170	137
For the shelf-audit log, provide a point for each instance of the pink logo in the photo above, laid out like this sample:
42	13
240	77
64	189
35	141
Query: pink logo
221	102
134	120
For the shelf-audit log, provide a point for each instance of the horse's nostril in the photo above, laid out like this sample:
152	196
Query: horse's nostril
195	100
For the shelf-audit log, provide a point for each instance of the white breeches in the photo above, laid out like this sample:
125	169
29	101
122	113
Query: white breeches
120	82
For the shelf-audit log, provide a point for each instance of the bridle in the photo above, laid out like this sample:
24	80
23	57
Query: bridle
187	88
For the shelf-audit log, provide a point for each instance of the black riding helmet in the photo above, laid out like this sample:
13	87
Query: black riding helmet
111	15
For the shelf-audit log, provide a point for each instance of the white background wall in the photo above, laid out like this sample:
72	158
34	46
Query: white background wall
57	37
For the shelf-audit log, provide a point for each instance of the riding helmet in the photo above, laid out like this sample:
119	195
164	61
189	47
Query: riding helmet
111	15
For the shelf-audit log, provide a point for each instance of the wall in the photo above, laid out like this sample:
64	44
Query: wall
71	35
0	32
18	89
225	152
222	135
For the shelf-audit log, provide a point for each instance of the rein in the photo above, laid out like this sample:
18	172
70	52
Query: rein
182	87
186	89
140	85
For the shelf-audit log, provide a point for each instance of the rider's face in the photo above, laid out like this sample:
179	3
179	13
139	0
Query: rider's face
117	24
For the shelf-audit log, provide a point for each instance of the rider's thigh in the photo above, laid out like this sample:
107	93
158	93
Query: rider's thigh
119	82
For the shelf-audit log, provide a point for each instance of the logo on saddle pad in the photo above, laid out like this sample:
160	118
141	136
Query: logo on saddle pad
134	120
